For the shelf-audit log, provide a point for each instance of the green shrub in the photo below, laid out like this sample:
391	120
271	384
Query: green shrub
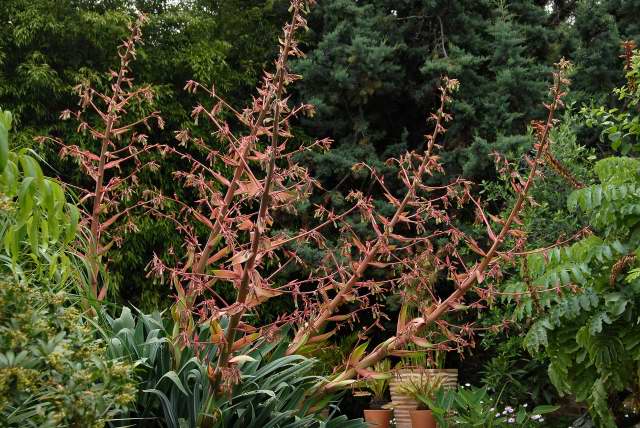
53	371
37	223
475	407
590	328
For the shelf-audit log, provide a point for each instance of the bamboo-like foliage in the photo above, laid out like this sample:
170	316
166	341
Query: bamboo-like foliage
37	223
112	168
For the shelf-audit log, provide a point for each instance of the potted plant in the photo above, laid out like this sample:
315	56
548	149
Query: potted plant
416	364
423	391
378	415
419	357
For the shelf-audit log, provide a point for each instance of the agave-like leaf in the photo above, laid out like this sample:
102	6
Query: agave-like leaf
170	418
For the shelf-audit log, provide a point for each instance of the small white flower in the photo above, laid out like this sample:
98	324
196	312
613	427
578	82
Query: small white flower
508	409
541	420
511	420
467	384
525	405
492	409
497	415
536	417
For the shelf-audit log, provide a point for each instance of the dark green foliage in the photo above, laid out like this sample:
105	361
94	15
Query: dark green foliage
372	71
53	45
600	28
46	50
508	81
356	58
517	376
598	50
620	127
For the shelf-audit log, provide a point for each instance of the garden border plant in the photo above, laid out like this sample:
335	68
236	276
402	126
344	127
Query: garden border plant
54	371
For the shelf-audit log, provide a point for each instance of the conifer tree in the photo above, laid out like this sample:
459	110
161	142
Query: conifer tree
598	50
372	70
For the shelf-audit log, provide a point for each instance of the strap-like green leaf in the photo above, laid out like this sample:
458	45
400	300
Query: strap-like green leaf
4	147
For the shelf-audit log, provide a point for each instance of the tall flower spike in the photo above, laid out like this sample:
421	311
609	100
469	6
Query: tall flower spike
113	167
239	246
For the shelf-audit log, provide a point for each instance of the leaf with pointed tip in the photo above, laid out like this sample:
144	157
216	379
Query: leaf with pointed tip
402	318
246	340
239	359
225	274
357	354
4	147
321	337
421	342
371	374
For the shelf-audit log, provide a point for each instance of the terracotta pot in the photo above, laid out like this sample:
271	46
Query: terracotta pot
402	403
379	418
422	419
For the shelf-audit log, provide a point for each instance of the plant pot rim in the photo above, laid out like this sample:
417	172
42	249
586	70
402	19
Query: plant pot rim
382	407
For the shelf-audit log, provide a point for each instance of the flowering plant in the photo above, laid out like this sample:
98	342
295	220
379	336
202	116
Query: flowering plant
472	406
